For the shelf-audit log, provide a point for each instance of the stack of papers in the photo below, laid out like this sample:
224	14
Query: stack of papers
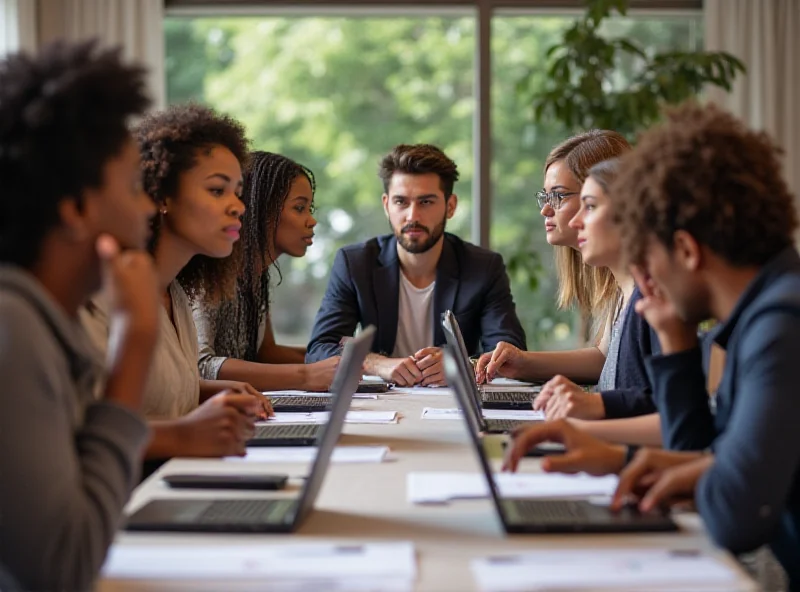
300	454
283	565
422	390
442	486
322	417
607	569
526	414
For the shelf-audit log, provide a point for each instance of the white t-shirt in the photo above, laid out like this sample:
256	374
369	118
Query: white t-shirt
414	318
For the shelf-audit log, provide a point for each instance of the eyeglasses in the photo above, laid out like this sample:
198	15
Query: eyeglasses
554	199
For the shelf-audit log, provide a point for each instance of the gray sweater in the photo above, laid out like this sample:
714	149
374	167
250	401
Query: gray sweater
69	462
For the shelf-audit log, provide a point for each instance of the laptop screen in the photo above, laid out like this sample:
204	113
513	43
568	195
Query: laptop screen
456	380
452	334
345	383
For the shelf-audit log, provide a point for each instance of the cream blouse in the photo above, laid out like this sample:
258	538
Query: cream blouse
173	385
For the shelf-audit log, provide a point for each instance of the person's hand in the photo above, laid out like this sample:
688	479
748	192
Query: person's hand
319	375
219	427
130	280
659	477
583	452
506	360
401	371
673	332
560	398
263	403
429	362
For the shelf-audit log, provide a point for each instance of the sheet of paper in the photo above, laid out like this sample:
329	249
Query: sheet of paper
300	454
443	486
421	390
322	417
507	382
530	414
606	569
276	561
525	388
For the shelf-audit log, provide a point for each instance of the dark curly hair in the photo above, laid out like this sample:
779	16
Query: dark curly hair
267	182
419	159
169	143
703	171
63	115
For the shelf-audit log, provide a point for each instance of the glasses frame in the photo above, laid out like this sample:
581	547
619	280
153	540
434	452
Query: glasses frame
554	199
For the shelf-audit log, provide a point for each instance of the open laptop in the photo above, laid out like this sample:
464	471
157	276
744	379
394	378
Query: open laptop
265	515
473	407
548	515
309	402
493	397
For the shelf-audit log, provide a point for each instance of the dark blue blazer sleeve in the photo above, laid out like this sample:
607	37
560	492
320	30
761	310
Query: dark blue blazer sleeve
338	315
633	395
499	320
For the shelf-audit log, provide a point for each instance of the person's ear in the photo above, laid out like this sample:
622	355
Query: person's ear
452	202
686	251
75	219
385	199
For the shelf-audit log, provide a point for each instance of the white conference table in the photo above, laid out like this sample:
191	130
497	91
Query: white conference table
367	503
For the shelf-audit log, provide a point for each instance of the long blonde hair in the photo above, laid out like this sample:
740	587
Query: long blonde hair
592	289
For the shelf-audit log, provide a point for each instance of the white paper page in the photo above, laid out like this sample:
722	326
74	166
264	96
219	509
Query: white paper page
441	487
529	414
606	569
300	454
322	417
525	388
276	561
507	382
514	414
421	390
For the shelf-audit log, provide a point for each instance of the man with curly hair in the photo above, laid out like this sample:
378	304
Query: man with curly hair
708	220
403	282
71	198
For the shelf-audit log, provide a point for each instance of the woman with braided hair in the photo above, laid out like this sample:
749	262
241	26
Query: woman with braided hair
236	338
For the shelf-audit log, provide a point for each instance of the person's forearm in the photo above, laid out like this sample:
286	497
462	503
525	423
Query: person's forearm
265	377
165	440
644	430
128	370
372	364
580	365
282	354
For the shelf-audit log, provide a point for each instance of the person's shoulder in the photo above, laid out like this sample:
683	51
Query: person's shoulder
368	248
22	325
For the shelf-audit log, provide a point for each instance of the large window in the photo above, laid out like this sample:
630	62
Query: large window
336	93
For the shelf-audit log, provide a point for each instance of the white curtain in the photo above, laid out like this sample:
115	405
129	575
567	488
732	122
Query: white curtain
765	35
136	25
17	26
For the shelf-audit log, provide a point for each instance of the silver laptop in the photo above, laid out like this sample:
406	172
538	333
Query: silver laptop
493	397
265	515
547	515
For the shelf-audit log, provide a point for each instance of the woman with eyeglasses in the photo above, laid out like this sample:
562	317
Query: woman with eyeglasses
236	337
599	294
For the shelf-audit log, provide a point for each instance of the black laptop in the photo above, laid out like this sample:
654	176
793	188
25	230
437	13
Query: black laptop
489	397
290	403
549	515
264	515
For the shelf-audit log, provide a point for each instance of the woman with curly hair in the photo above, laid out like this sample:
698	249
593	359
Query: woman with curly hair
191	159
236	338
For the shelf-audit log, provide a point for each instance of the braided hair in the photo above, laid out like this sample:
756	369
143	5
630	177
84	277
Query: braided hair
267	181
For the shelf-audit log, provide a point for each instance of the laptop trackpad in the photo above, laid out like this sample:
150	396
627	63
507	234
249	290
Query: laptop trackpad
170	512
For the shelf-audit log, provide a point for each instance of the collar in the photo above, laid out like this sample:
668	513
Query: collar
786	260
447	265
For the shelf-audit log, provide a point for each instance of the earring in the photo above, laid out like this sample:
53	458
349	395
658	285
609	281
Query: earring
163	211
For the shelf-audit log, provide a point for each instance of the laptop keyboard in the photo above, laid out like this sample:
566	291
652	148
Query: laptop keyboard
549	511
506	425
301	401
286	430
246	512
502	397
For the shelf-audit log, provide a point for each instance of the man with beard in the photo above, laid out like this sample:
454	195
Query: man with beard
403	282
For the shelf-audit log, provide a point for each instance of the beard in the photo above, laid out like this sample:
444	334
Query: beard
423	244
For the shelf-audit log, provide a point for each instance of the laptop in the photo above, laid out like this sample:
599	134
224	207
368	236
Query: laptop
299	403
473	408
264	515
549	515
494	397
